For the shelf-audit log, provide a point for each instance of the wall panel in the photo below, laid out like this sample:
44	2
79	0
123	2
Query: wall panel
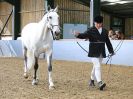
129	27
31	11
72	12
5	10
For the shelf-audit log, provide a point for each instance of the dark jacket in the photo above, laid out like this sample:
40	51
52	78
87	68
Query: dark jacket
97	42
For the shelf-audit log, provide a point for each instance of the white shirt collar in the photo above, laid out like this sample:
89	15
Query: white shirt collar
100	30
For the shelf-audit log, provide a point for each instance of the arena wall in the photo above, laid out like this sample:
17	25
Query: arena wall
70	51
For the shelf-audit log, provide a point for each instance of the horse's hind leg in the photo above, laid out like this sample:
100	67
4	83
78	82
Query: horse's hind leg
35	80
49	62
25	62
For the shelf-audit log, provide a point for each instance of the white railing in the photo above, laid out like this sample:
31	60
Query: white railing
69	50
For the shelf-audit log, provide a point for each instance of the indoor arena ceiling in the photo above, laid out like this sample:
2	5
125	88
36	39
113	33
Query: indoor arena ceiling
122	8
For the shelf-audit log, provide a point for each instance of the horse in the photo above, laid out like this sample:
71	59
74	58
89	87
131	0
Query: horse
37	38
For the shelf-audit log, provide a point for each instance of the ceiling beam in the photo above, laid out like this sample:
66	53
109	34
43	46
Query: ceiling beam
9	1
123	15
83	2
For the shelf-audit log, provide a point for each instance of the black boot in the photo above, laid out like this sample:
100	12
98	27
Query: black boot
91	83
101	85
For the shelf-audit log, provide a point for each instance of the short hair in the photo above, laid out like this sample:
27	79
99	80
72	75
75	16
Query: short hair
98	19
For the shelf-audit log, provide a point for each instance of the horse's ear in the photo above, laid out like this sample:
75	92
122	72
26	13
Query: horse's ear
56	9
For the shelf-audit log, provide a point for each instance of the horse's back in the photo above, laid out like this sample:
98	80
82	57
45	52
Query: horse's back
29	32
29	29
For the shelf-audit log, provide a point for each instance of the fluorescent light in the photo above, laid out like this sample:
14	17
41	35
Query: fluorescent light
123	2
111	0
111	3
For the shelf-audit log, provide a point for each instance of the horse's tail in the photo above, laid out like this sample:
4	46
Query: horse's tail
30	60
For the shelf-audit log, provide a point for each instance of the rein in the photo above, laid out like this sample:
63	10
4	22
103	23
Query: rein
52	34
82	47
109	56
115	50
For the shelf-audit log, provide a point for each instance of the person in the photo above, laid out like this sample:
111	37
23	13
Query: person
119	35
98	37
111	34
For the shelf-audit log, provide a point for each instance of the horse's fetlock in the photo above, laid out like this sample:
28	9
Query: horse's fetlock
25	75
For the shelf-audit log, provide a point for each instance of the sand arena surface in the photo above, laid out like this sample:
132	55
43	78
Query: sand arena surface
70	79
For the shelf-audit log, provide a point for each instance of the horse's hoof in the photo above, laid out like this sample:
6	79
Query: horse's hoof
25	75
35	82
51	87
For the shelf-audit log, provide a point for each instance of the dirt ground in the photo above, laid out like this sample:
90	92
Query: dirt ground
70	79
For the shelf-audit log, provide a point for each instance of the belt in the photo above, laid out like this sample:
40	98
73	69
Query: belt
97	42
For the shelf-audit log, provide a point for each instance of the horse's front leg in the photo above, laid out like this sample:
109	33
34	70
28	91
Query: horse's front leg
35	79
49	62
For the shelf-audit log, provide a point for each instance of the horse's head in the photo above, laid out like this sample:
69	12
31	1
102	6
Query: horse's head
53	21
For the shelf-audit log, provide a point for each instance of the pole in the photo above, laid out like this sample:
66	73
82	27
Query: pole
13	24
46	5
91	12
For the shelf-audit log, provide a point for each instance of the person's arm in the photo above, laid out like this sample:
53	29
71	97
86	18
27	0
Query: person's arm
109	45
84	35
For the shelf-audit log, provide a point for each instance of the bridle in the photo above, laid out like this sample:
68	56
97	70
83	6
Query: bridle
51	27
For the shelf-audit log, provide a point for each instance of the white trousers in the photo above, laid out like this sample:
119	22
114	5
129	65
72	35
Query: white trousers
96	70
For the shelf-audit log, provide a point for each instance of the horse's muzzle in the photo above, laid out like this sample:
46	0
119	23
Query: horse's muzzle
57	32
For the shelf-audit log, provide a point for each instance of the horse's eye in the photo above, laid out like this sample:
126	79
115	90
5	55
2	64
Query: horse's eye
50	17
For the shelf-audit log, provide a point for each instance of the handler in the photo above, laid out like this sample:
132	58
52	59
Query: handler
98	37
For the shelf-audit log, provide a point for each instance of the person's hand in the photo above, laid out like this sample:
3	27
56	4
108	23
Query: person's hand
111	54
76	33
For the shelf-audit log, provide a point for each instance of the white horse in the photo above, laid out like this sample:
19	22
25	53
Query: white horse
38	38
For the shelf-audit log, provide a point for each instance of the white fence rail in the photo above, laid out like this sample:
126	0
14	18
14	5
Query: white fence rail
69	50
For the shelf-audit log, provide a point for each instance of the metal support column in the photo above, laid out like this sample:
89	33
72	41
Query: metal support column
94	10
46	5
16	19
13	25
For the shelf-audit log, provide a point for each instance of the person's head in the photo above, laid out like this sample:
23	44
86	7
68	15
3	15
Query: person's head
98	21
117	32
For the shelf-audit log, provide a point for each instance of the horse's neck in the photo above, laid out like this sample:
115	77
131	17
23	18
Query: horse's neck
43	23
